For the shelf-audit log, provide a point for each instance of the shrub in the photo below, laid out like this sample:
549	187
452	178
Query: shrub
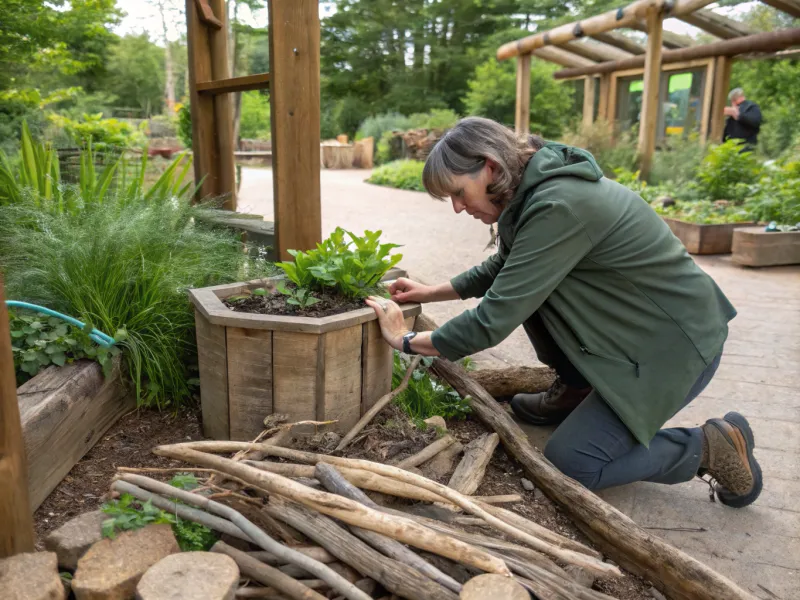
727	171
776	197
101	132
335	264
387	122
255	119
383	149
400	174
677	161
611	150
348	113
185	125
437	118
778	130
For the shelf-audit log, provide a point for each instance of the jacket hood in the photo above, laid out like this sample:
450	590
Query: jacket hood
557	160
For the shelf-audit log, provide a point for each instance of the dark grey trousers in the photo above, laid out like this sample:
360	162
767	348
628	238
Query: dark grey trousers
594	447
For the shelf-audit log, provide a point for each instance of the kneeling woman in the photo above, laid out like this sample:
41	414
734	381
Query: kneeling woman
609	298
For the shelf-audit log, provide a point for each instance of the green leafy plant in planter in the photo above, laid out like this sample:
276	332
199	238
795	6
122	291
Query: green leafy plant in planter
128	513
352	268
39	341
705	212
776	197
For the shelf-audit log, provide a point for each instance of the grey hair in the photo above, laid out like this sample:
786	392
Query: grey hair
464	150
735	93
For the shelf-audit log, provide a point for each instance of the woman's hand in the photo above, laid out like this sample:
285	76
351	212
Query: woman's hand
390	319
406	290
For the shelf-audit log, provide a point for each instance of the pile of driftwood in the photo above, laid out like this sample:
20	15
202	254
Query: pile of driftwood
313	531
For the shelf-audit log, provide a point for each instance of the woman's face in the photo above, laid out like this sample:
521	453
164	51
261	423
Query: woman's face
469	194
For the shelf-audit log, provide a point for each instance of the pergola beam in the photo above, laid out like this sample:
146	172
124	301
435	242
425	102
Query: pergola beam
614	19
618	40
771	41
595	51
670	40
790	7
717	25
563	56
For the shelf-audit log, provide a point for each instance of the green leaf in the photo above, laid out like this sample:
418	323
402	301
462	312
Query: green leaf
58	358
237	298
259	292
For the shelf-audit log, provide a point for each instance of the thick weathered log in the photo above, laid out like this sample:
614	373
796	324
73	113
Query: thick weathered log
340	508
396	577
258	536
427	453
186	451
378	406
266	575
334	482
771	41
674	572
514	380
470	471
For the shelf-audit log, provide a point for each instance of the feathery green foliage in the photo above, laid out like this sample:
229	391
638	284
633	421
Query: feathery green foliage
400	174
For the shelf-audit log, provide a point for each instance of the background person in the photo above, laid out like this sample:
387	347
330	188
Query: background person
744	120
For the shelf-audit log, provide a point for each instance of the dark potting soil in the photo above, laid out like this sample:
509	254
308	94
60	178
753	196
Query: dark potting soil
274	303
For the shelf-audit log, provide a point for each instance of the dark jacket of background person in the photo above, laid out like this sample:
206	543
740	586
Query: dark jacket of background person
746	127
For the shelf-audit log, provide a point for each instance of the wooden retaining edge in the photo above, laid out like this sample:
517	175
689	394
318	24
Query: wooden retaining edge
674	572
64	412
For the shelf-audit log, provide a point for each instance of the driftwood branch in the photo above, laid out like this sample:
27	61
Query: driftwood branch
187	513
338	507
264	574
427	453
396	577
682	576
379	405
320	570
441	464
470	471
595	566
314	552
335	483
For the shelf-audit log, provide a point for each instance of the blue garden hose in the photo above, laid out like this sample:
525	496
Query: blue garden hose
101	338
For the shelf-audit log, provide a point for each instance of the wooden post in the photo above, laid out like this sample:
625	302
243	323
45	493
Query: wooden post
294	108
648	121
16	522
708	89
223	108
588	100
722	84
522	117
204	144
605	92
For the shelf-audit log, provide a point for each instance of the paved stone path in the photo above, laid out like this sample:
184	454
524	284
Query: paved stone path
759	547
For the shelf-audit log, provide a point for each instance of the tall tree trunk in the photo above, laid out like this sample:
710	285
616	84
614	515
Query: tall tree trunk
169	83
235	70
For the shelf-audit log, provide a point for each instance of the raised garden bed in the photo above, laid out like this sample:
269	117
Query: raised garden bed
754	247
254	365
64	411
704	239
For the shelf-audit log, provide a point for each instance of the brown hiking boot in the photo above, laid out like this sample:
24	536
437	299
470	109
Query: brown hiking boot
728	458
550	407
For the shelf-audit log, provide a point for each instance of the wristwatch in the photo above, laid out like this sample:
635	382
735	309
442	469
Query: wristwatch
407	342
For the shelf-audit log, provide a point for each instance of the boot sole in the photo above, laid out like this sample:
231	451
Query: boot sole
741	500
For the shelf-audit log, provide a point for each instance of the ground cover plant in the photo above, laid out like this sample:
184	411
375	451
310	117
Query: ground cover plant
119	254
334	277
400	174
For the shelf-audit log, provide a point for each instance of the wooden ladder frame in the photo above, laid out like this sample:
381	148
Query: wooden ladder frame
294	101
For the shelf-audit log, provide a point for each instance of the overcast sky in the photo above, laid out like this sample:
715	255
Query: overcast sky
141	15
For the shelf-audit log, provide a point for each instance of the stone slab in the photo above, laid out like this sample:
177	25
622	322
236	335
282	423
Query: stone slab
190	576
71	541
31	576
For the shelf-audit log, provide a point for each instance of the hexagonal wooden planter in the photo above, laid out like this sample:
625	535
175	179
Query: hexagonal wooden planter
253	365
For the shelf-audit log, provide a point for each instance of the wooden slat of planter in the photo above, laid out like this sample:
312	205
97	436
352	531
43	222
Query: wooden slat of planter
249	381
704	239
213	359
758	248
341	375
376	370
64	411
294	373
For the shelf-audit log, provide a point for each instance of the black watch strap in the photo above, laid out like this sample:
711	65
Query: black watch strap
407	342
